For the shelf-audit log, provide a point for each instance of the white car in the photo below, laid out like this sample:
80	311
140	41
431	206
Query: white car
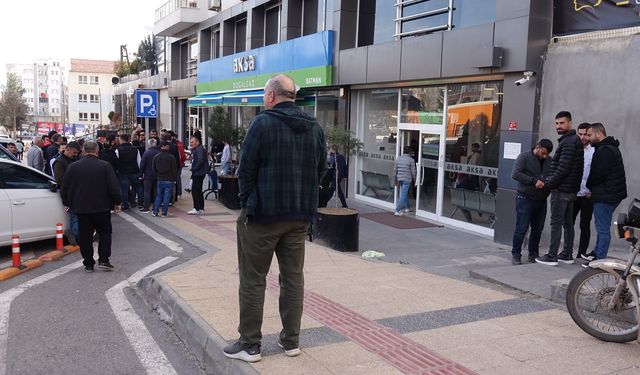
30	206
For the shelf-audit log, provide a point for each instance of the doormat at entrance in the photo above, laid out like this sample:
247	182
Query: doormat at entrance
398	222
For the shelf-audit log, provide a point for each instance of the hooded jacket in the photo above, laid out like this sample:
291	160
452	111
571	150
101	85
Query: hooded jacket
607	180
283	157
565	173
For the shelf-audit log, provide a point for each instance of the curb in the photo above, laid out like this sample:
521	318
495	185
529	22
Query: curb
57	254
559	290
27	265
198	336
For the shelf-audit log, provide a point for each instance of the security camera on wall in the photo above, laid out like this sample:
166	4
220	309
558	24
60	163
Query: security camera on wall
526	78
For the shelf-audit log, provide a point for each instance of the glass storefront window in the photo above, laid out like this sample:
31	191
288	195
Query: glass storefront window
473	12
422	105
378	131
472	150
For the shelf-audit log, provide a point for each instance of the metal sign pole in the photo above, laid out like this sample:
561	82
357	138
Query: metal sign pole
146	133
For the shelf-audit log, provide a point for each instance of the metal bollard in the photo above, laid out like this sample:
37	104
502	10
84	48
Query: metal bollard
15	250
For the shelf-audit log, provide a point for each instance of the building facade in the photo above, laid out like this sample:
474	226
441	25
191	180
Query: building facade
90	93
458	82
45	86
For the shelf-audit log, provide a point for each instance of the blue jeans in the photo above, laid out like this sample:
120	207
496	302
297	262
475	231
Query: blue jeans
403	200
163	194
529	213
130	181
602	213
225	168
73	226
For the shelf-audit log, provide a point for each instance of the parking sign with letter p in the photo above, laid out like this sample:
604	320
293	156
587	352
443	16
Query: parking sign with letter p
147	103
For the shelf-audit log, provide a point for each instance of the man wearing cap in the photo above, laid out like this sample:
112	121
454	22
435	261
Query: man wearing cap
530	169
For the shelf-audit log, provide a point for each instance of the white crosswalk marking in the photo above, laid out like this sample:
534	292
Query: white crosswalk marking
147	350
173	246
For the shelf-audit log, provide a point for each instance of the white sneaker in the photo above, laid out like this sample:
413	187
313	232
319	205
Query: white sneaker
200	212
407	210
192	212
289	352
398	213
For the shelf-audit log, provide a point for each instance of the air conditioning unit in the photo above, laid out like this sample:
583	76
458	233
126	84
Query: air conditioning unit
215	5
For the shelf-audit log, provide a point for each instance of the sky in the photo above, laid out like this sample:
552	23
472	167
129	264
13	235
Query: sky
65	29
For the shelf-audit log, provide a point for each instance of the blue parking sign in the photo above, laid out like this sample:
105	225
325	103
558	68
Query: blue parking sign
147	103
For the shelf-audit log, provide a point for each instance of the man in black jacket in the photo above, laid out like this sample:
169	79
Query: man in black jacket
530	169
166	172
129	170
608	185
90	190
565	175
60	166
147	175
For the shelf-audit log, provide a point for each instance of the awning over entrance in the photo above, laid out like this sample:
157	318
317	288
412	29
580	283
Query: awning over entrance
205	100
243	98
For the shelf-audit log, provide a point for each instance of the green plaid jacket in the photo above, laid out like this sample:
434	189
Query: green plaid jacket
283	156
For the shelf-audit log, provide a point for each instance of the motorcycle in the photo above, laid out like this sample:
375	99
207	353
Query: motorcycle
603	299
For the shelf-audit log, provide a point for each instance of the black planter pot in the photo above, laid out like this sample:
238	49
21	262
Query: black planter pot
228	194
337	228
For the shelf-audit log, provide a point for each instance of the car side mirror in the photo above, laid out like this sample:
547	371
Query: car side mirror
53	186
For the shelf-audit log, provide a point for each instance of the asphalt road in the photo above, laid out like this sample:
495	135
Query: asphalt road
58	319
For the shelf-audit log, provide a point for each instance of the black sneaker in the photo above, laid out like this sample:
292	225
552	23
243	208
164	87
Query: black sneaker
163	215
289	352
515	260
586	264
88	269
548	260
243	353
144	210
154	214
565	258
532	258
105	266
590	256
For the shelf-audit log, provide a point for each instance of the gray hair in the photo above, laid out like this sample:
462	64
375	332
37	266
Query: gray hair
275	84
152	142
91	147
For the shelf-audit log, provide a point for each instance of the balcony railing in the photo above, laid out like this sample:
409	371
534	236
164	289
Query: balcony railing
192	68
173	5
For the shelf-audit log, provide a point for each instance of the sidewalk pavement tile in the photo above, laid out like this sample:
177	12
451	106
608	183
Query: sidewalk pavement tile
534	343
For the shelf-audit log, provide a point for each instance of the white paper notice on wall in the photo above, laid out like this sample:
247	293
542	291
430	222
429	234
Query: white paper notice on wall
512	150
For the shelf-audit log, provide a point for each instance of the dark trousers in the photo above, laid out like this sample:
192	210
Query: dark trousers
130	181
529	213
256	245
561	221
583	206
341	196
149	192
101	223
196	192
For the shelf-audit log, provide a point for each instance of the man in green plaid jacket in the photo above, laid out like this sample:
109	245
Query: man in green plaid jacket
282	159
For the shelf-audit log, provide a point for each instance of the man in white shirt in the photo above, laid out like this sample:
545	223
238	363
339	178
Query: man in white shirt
583	204
225	160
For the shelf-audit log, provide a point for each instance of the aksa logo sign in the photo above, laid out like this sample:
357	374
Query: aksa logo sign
578	16
244	64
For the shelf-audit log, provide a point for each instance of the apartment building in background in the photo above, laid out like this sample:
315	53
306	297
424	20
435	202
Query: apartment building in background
45	86
90	94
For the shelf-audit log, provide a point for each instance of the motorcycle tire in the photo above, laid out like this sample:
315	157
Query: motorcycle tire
576	283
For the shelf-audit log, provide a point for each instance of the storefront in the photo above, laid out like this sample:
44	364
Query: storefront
237	81
454	137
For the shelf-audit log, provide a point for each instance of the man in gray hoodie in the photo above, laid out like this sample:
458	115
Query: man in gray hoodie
530	169
404	172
